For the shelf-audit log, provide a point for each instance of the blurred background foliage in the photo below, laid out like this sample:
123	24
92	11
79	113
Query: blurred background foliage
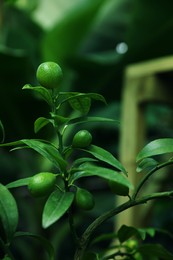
93	41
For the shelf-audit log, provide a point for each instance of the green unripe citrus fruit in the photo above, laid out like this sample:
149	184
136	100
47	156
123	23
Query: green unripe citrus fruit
49	74
41	184
131	244
118	188
84	199
82	139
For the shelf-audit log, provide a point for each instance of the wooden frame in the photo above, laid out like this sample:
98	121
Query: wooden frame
143	83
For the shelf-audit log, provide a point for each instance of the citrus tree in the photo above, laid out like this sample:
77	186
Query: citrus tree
61	188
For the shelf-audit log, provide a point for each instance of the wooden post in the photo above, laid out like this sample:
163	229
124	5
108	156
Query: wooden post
141	86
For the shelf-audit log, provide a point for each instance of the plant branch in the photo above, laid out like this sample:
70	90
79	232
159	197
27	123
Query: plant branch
107	215
146	177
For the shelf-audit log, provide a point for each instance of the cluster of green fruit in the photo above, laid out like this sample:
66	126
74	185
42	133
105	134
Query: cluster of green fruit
43	183
49	75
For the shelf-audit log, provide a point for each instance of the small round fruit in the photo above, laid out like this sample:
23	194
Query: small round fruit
41	184
118	188
131	244
84	199
82	139
49	74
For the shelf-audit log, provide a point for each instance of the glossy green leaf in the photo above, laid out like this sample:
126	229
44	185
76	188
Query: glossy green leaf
46	243
89	170
146	164
56	206
40	123
154	251
18	183
105	156
156	147
43	92
15	143
8	212
47	150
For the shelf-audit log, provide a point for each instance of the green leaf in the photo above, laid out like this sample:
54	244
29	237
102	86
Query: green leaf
80	101
89	170
48	151
12	143
56	206
146	164
40	123
85	119
60	120
146	231
18	183
82	160
72	95
8	212
105	156
43	92
126	232
149	251
81	104
97	97
156	147
46	244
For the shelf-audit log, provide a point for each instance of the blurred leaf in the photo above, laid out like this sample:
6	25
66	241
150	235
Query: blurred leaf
8	212
156	147
3	131
126	232
105	156
89	170
43	92
18	183
55	207
70	31
46	243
